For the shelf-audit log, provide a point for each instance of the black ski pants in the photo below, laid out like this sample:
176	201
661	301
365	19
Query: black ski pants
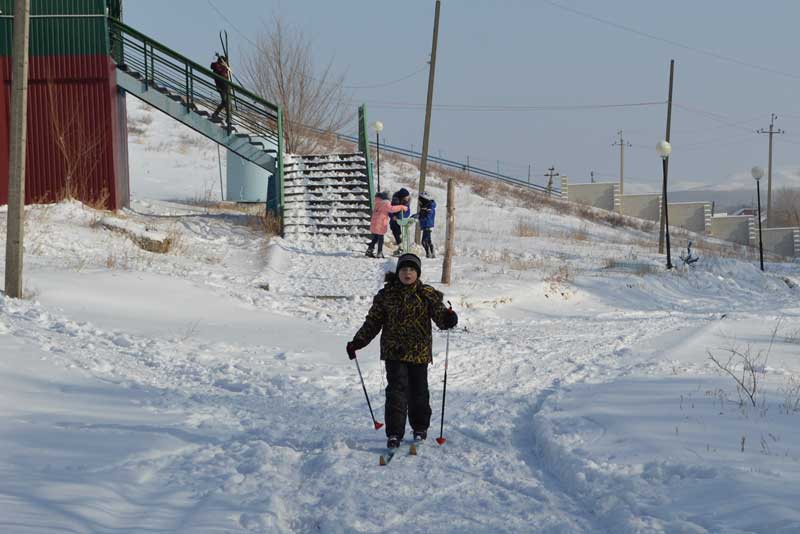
377	239
427	244
396	232
406	395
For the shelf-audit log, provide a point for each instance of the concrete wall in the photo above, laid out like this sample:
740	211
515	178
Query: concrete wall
646	207
604	196
781	241
693	216
734	228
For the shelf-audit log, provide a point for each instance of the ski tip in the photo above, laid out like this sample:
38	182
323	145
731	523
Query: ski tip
378	425
440	441
382	460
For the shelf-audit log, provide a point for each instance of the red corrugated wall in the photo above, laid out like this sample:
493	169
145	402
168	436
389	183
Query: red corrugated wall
76	131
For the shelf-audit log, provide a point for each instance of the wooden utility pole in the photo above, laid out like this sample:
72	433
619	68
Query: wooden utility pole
426	135
771	131
451	228
16	166
664	204
621	144
550	175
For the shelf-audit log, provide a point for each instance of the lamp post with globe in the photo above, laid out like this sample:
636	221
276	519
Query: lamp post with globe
664	149
758	173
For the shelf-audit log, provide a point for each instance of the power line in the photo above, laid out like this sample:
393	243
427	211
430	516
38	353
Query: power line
715	117
503	108
709	53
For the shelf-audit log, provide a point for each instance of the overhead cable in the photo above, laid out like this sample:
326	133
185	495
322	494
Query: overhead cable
709	53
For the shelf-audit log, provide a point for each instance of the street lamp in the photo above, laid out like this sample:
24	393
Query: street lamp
758	173
664	149
378	126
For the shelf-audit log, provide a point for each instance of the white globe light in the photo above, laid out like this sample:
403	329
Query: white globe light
757	173
664	148
378	125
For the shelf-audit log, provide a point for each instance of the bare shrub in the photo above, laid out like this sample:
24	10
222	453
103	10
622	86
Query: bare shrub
177	243
525	228
579	234
791	396
520	264
745	368
560	276
138	125
786	208
79	151
482	188
281	69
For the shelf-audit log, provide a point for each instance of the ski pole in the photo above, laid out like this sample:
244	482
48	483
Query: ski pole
441	439
377	424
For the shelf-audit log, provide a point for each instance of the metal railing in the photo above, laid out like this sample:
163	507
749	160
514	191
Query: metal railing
162	67
458	165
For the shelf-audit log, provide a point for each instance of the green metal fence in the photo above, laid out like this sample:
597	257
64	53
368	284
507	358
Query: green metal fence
363	146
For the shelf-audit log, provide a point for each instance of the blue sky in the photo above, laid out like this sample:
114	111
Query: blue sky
736	62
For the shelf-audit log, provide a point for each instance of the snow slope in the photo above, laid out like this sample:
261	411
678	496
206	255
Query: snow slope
207	389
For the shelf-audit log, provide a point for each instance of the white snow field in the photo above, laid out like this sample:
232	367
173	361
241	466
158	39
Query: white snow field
207	390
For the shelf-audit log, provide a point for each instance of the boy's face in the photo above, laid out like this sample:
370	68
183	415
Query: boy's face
408	275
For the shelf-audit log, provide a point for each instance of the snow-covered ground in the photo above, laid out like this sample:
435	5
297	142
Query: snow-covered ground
207	389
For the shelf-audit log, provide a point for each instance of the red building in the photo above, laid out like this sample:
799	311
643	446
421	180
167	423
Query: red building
77	123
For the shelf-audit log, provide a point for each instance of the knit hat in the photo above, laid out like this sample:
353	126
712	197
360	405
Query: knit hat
425	196
403	193
381	195
409	260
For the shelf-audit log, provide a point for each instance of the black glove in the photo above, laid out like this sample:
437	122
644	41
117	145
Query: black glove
450	319
352	347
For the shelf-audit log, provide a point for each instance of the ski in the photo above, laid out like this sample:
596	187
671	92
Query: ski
413	450
387	456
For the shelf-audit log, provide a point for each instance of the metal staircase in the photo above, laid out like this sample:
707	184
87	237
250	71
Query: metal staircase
186	91
327	194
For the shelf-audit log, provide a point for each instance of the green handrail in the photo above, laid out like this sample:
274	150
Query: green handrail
196	84
279	176
363	147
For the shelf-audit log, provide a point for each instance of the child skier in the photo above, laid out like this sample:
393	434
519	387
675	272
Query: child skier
403	311
379	222
427	215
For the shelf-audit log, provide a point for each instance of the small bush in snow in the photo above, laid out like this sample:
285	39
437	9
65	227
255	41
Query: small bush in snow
793	337
744	367
791	395
525	228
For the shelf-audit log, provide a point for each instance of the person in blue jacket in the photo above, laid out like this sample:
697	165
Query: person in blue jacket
401	197
427	216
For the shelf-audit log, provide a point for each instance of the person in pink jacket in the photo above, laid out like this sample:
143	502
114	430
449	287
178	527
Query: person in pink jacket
379	223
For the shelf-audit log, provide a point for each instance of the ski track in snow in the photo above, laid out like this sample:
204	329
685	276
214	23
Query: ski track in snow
268	431
247	407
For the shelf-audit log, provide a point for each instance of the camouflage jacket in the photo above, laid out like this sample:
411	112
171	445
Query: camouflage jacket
404	315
